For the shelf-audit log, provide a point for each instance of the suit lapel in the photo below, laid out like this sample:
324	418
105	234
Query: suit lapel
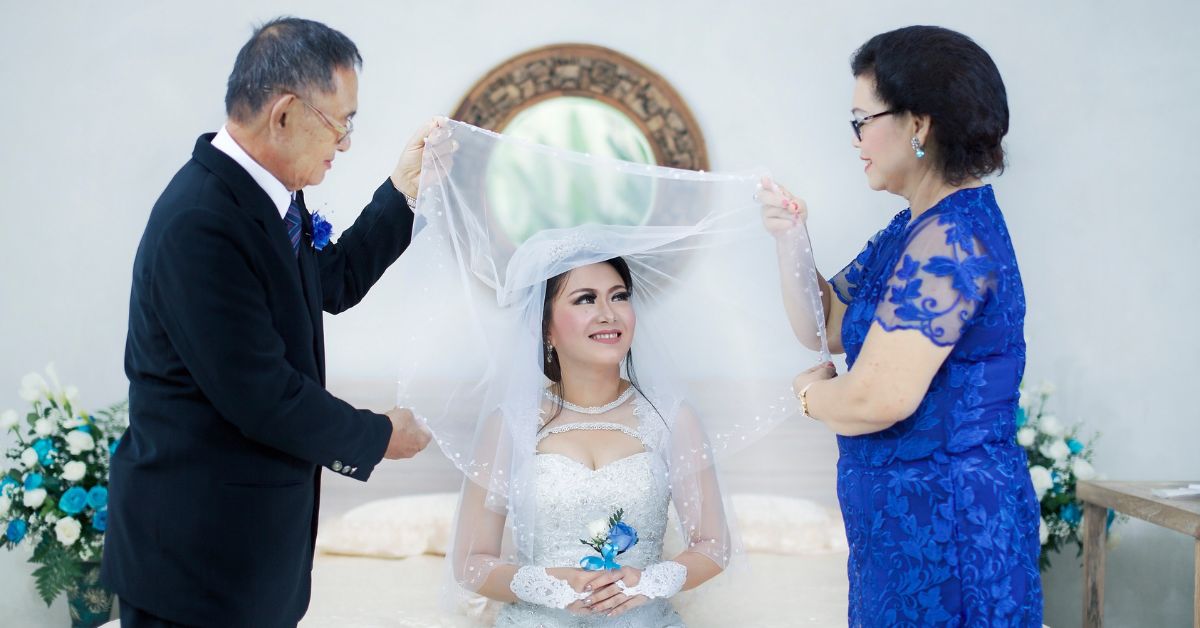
310	278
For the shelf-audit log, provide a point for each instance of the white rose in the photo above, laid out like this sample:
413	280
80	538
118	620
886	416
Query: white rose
74	471
1042	481
1082	469
67	530
8	420
1043	531
71	422
43	427
29	457
1026	436
597	528
34	498
1050	425
5	504
32	387
1056	450
79	442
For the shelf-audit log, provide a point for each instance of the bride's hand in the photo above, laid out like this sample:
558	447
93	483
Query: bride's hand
781	210
609	598
582	581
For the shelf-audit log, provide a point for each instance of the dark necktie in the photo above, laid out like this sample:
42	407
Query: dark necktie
293	222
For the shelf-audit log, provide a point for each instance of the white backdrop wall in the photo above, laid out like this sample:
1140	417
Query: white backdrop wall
103	102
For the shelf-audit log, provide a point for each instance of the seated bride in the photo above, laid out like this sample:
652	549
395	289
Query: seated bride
521	362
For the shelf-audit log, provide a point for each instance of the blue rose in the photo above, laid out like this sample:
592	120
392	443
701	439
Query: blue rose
33	481
100	520
321	230
112	447
1071	513
16	530
45	450
6	482
97	498
1074	445
73	500
1022	418
1112	514
83	428
623	536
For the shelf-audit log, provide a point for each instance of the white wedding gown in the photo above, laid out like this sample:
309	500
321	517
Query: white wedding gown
570	494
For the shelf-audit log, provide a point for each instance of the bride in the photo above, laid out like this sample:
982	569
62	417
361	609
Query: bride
520	357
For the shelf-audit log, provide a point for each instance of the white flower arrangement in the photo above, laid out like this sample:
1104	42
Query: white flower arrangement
54	493
1057	460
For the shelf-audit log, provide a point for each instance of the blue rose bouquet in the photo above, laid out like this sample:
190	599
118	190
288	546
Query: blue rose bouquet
53	491
1057	460
610	538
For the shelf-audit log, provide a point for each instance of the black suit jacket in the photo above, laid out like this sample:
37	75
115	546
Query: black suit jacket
214	489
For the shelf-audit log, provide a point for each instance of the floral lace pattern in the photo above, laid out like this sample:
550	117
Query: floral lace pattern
940	513
570	494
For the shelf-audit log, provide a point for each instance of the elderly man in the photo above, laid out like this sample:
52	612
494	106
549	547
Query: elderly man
215	488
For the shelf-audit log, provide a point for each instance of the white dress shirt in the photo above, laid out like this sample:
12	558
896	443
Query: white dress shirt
275	189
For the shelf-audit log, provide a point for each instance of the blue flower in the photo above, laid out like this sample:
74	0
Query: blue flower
16	530
321	230
1074	445
1022	418
73	500
45	450
84	428
623	536
1071	514
100	520
7	482
1112	514
33	481
112	447
97	498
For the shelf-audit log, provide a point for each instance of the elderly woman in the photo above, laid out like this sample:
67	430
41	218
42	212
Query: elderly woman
939	509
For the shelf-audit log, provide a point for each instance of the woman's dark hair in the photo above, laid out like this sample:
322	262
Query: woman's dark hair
550	365
934	71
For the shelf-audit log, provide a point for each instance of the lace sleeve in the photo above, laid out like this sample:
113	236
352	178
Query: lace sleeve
940	281
845	283
695	491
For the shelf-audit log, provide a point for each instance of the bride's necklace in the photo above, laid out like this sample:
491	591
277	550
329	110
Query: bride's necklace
591	409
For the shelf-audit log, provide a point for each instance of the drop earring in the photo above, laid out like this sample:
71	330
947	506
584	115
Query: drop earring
916	144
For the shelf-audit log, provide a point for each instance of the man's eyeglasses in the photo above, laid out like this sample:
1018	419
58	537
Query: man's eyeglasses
343	132
857	123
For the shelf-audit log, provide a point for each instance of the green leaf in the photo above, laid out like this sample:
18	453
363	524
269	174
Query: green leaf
57	573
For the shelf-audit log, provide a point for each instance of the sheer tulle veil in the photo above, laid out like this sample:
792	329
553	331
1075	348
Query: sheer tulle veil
713	350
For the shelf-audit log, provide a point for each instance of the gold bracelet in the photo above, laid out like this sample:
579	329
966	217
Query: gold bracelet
804	400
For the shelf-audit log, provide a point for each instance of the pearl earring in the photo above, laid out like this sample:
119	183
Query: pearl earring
916	144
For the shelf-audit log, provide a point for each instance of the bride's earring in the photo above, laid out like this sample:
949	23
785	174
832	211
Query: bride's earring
549	353
916	144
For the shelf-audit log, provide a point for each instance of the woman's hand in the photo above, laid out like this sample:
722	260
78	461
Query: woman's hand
781	210
608	597
815	374
584	581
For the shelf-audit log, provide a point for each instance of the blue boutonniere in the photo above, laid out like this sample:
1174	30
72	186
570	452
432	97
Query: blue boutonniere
321	230
610	538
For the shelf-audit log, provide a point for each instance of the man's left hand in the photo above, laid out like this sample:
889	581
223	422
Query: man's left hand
407	176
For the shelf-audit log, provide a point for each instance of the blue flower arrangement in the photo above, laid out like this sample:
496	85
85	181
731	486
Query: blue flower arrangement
321	231
54	483
610	538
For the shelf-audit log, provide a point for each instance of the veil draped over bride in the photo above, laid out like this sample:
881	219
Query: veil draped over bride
713	351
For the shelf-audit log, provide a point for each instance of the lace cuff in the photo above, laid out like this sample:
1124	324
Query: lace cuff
535	585
658	580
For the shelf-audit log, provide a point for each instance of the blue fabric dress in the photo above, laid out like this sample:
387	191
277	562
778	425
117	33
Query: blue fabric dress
940	512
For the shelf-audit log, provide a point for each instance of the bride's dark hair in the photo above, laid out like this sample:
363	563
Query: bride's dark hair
550	365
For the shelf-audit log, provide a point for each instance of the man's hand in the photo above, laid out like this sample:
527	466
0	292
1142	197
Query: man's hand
409	437
407	177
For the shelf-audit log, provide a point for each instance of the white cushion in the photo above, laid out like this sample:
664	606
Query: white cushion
412	525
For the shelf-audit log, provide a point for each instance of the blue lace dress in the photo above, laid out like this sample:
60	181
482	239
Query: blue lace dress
940	512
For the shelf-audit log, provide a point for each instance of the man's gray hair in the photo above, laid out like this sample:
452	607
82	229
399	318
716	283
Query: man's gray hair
286	54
